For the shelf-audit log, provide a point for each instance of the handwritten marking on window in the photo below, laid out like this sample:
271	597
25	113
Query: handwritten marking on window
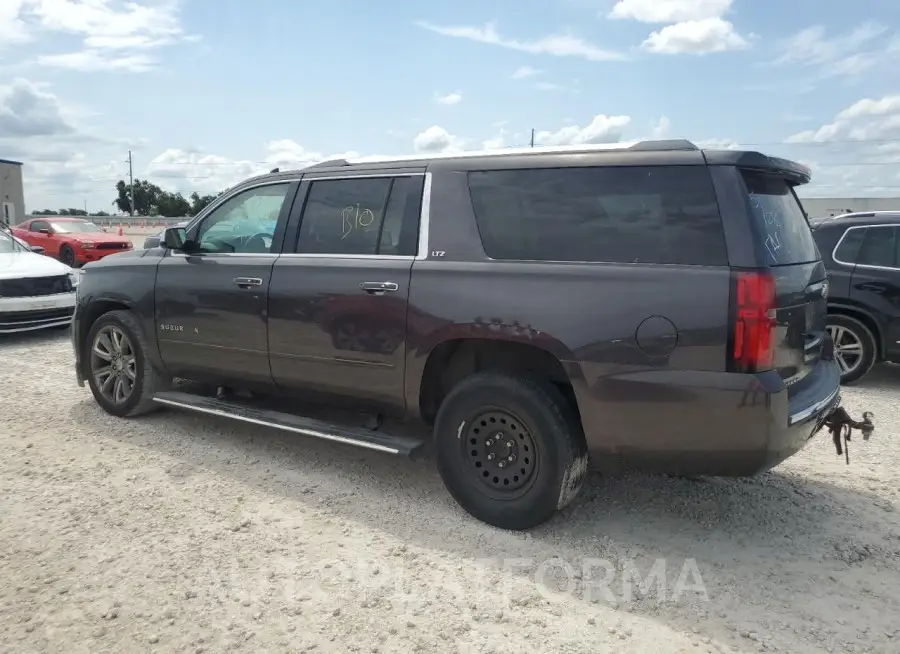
353	218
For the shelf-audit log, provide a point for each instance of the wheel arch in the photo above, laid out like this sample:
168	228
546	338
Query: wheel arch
454	359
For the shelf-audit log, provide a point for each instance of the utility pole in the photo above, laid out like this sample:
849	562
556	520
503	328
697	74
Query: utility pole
532	137
131	182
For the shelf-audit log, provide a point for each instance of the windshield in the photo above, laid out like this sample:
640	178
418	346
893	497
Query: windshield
8	243
780	218
74	227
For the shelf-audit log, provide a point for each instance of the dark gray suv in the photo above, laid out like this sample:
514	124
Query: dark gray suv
658	306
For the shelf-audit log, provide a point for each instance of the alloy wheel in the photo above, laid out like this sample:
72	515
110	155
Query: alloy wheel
848	348
113	364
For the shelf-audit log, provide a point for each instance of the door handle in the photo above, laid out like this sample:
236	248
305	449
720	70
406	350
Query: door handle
377	288
246	282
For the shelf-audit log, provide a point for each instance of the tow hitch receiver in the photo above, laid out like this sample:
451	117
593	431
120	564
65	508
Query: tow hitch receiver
841	427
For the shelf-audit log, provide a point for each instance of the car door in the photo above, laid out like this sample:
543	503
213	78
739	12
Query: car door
339	295
876	281
35	236
211	299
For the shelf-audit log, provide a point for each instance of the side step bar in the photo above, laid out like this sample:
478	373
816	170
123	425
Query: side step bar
358	436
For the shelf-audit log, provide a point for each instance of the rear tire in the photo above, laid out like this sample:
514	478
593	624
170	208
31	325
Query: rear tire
491	418
859	347
119	372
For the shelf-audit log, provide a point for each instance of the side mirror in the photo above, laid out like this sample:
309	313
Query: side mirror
174	238
44	230
37	249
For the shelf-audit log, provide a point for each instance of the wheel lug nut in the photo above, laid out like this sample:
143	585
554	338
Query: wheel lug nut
509	443
491	456
489	442
512	457
502	464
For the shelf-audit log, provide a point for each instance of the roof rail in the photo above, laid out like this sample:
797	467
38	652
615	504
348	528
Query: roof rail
331	163
663	145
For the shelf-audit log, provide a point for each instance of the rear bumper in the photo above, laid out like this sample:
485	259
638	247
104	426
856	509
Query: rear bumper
704	423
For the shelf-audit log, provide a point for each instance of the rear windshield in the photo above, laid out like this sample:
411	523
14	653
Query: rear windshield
780	218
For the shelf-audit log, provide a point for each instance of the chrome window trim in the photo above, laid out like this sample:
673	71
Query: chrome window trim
864	266
424	219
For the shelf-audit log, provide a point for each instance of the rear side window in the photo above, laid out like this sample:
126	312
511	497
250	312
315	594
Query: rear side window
653	214
879	247
779	217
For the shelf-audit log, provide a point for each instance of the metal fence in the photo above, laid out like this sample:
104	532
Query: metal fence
124	221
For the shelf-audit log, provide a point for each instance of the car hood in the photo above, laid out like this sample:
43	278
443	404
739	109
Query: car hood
16	265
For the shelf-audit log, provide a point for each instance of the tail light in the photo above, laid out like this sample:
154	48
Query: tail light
754	321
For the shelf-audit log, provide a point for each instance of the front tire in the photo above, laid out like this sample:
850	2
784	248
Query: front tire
67	256
854	347
509	450
119	372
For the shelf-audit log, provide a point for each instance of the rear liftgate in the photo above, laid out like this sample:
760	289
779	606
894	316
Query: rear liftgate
840	424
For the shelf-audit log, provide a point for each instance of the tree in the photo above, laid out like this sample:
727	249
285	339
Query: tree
199	202
146	196
45	212
172	205
72	212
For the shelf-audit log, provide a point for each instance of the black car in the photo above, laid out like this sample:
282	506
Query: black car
862	254
656	305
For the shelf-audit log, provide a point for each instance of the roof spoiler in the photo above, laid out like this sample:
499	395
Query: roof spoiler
794	173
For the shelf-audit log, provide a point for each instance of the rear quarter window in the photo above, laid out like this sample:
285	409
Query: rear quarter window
652	214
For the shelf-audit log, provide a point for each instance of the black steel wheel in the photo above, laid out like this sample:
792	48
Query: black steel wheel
117	366
502	452
509	450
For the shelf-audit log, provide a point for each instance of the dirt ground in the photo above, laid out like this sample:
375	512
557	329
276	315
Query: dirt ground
187	533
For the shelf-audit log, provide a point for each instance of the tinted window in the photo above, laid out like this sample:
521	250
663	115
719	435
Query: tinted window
355	216
779	217
625	215
38	225
245	223
879	247
848	249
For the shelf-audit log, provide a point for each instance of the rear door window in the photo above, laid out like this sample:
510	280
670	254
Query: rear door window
780	220
635	214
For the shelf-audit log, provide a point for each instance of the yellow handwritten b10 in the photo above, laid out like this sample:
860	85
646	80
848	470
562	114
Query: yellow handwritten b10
353	218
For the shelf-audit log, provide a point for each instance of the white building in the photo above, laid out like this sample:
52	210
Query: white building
821	207
12	192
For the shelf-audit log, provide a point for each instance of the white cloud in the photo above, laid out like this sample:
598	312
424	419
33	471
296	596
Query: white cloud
436	139
557	45
691	26
695	37
449	98
669	11
548	86
525	71
601	129
858	151
842	55
114	34
661	129
12	28
26	110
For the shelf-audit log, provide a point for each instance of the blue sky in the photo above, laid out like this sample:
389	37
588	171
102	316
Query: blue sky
205	93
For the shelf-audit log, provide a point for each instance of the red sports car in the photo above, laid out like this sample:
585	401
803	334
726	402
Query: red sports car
74	241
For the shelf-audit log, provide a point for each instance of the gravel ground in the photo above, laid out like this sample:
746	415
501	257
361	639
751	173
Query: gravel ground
185	533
